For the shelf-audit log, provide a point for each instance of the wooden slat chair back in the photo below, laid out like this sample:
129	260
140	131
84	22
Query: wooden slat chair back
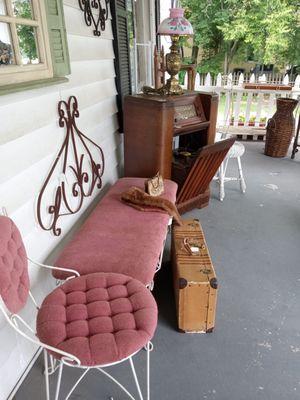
191	68
159	67
201	174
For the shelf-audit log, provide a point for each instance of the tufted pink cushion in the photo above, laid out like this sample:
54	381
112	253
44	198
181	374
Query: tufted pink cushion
14	280
118	238
100	318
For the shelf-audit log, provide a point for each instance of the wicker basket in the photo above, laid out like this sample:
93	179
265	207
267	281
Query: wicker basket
280	128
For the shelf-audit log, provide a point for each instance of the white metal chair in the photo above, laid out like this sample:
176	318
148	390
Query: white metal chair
236	152
126	297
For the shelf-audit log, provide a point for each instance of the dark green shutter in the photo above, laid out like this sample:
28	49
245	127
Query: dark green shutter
58	38
122	53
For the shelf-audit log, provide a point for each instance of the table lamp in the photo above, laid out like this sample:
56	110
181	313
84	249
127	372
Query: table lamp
175	26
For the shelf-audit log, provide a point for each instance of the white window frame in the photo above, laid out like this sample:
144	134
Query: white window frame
17	73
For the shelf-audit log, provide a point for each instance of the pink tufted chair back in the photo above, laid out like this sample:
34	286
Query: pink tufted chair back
14	279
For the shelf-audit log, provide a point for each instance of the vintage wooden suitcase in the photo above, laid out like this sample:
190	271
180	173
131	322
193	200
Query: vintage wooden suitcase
195	282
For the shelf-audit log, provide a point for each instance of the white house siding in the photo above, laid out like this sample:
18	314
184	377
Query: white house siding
29	141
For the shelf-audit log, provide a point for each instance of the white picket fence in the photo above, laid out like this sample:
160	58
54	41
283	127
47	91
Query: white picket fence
245	107
238	79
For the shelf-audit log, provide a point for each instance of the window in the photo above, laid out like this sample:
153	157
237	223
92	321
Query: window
33	43
134	30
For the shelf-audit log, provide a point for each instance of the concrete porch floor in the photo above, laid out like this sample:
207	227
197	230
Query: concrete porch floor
254	352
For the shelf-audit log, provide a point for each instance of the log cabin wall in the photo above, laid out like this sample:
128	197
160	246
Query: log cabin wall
29	141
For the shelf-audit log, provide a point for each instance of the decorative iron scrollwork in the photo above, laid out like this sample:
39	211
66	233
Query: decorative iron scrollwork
80	167
95	14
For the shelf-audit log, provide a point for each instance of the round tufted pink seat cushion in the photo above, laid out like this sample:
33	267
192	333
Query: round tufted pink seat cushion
14	279
100	318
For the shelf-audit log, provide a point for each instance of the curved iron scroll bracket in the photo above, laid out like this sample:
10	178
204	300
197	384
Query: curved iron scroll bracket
84	170
95	14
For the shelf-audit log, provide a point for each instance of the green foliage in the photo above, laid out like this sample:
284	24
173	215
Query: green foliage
26	33
230	30
212	64
181	76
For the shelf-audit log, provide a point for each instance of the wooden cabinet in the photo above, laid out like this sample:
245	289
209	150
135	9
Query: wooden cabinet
151	122
154	126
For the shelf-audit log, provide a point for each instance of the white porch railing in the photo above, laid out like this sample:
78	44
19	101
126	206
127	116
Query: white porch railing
240	78
245	107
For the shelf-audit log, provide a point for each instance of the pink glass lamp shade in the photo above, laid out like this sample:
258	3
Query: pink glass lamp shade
175	24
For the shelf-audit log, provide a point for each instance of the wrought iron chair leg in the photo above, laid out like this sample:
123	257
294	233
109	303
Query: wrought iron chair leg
46	374
136	379
148	370
116	382
53	365
59	380
77	383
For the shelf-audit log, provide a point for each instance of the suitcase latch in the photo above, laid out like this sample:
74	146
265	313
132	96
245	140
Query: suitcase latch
193	248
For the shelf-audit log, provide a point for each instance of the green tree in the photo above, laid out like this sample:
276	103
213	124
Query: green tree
26	33
228	30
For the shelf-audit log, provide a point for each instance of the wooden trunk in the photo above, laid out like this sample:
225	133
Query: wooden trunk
195	282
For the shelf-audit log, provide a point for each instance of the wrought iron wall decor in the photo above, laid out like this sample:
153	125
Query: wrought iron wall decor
95	14
84	170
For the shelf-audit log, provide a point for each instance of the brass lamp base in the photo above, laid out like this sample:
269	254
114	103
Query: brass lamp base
171	88
173	65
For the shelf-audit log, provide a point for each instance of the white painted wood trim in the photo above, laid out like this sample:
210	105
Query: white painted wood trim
13	74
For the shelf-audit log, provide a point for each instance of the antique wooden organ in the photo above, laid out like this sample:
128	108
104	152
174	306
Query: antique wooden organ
175	136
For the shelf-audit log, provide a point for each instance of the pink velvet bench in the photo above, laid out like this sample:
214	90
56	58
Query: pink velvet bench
118	238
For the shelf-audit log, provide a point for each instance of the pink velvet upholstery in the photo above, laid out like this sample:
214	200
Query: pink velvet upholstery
100	318
14	280
119	238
